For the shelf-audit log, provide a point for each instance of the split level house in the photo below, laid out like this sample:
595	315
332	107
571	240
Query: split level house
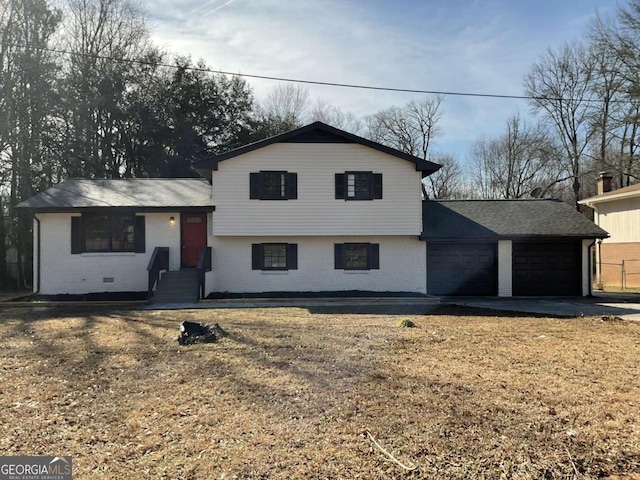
315	211
618	256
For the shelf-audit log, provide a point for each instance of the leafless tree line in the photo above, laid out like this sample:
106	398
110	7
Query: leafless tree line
585	106
84	93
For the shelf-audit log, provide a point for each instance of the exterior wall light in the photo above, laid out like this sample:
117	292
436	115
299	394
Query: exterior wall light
172	220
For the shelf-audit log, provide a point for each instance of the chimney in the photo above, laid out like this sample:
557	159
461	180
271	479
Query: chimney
604	183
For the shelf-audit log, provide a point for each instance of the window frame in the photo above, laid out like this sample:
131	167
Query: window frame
266	186
261	189
277	252
119	226
259	255
372	256
359	193
372	191
357	257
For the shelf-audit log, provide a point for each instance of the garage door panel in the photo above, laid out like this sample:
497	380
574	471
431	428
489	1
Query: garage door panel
459	268
546	268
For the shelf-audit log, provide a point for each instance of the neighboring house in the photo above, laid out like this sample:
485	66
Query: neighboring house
314	210
618	212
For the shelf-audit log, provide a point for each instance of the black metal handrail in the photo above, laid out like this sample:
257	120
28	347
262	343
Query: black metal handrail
204	265
158	262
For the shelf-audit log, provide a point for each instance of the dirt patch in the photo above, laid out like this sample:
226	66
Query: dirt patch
294	394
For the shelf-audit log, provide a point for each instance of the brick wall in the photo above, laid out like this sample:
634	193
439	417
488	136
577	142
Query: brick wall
64	273
612	255
402	266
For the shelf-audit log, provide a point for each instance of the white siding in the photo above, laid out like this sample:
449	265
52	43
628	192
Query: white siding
505	270
621	219
402	266
64	273
316	210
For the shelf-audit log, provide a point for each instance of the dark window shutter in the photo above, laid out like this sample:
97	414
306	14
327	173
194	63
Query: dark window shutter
374	256
377	186
292	186
254	186
340	185
256	256
139	235
338	250
292	256
76	235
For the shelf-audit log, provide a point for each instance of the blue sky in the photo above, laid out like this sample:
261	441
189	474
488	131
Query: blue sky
482	46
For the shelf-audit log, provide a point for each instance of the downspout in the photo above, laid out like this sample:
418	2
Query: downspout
37	291
590	268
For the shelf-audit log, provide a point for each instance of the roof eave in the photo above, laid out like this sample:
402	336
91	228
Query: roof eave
129	208
212	163
609	198
497	237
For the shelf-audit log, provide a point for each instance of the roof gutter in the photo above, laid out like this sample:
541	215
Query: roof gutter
590	202
68	209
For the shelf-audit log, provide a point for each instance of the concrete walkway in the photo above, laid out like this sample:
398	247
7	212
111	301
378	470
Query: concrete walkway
623	305
626	306
382	302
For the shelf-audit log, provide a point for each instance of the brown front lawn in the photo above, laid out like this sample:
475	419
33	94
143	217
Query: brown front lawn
293	393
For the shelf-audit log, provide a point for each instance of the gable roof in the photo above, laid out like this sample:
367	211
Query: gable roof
621	193
141	194
495	219
317	132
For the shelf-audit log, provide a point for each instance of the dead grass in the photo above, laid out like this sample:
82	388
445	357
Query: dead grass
292	394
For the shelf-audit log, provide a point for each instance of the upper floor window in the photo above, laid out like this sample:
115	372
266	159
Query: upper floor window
359	185
113	232
273	185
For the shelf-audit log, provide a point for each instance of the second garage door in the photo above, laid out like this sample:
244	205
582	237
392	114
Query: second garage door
462	268
547	268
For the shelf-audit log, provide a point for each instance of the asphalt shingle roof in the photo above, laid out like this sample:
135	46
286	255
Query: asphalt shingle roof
158	193
493	219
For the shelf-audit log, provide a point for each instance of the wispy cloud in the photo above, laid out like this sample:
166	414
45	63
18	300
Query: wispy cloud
480	46
200	7
229	2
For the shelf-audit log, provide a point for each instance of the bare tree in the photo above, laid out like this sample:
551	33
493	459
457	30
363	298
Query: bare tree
410	129
513	165
447	181
285	108
321	111
559	82
616	44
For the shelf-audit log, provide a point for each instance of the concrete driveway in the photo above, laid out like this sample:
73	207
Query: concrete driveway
623	305
626	306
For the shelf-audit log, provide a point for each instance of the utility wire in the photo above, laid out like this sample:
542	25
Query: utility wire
313	82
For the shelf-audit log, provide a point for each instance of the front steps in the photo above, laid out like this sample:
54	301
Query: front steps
177	287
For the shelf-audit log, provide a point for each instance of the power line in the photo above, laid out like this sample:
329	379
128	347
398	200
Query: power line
312	82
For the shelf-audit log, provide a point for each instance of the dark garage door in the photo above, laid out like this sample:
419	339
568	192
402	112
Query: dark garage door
458	268
547	269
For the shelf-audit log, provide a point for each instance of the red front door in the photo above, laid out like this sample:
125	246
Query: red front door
194	237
